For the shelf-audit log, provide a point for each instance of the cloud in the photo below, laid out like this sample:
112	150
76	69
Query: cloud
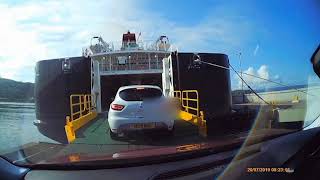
256	50
42	30
257	83
18	48
263	72
36	30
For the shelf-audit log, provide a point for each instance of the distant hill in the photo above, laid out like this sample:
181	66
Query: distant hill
15	91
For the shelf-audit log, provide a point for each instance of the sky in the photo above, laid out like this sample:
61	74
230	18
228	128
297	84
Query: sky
275	38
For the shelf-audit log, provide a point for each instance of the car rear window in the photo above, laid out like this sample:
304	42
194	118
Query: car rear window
140	94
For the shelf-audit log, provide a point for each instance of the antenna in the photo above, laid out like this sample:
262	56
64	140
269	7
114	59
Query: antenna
138	36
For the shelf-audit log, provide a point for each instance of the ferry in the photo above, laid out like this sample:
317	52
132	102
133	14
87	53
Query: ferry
106	66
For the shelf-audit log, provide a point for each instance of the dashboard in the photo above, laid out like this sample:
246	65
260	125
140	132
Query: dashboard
290	156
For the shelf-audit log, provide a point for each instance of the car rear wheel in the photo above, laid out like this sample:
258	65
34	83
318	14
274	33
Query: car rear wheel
112	134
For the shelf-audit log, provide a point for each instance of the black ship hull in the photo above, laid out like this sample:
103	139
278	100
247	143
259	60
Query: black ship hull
55	81
212	83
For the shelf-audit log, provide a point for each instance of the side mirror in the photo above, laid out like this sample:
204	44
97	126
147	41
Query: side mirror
315	60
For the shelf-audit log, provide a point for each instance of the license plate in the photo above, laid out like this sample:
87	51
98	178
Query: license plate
143	126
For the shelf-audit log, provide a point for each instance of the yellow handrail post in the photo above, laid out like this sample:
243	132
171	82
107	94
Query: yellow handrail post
187	101
71	107
69	130
80	98
88	103
84	103
197	103
203	125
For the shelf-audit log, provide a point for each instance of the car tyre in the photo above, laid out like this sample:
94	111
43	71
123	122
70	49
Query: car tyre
113	135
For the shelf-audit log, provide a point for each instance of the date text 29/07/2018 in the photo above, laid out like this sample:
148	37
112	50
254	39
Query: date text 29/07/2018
269	169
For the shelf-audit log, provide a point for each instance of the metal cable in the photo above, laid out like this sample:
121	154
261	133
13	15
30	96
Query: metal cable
265	80
278	83
248	85
281	84
216	65
219	66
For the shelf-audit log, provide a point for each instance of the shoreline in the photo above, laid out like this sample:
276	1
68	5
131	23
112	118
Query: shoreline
15	102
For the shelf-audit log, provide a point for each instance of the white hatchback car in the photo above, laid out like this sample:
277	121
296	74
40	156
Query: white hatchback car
139	107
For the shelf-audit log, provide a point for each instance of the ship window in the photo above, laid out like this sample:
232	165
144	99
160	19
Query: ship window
122	60
140	94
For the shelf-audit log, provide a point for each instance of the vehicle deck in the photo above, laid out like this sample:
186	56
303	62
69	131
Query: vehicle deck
97	132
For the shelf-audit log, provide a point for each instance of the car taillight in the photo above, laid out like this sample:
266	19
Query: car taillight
117	107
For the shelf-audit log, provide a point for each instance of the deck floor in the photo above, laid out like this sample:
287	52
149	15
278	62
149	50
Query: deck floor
97	132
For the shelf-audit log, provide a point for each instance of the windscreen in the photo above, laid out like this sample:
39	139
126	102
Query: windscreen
199	75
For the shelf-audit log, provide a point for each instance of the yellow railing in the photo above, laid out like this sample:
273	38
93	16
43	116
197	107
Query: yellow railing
80	105
82	110
186	101
190	103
